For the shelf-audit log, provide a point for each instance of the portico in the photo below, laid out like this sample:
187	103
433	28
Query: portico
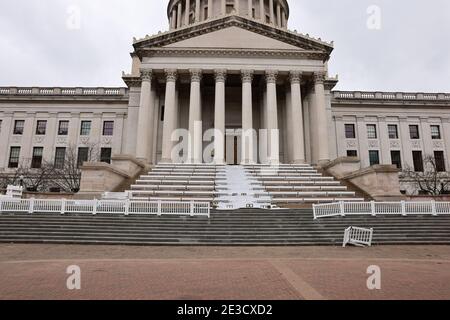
264	108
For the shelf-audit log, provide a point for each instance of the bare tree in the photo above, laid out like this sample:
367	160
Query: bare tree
67	175
431	181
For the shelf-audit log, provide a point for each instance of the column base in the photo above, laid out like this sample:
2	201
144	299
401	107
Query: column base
298	162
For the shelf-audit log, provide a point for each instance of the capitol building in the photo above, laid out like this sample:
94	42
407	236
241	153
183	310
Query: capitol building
233	68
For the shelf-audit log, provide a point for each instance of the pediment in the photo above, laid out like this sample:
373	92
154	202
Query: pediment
233	38
233	32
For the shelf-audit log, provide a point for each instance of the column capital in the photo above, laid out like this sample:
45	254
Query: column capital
271	76
247	75
319	77
171	75
295	76
220	75
146	74
196	75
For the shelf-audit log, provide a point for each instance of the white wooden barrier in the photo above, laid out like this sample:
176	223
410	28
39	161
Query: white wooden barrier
358	237
373	208
110	207
14	192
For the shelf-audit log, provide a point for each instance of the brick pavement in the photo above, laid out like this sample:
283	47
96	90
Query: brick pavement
39	272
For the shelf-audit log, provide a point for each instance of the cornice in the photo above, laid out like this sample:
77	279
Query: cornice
249	53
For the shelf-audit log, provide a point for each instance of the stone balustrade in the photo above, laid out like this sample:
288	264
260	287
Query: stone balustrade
401	96
62	91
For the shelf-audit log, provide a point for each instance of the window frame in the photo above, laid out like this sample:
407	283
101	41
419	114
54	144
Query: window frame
15	164
16	128
355	153
440	166
44	132
375	131
418	162
371	152
411	136
105	133
439	134
350	134
60	131
82	128
395	126
58	162
399	163
36	160
85	159
103	158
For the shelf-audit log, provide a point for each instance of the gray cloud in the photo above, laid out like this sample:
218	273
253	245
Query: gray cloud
409	53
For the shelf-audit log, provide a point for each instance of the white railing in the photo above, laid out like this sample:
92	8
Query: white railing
373	208
110	207
358	236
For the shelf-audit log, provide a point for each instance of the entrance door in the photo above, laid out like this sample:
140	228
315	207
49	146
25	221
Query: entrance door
233	144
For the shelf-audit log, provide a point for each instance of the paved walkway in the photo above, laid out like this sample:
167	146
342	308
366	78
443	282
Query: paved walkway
116	272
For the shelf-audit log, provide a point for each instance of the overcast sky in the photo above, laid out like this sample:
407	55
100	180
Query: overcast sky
40	44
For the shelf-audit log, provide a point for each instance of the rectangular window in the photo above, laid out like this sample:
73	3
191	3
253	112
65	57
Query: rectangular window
83	156
372	131
63	129
374	157
414	132
14	156
352	153
350	132
60	158
85	128
436	133
418	161
393	131
440	161
19	125
41	127
396	159
108	128
105	155
36	161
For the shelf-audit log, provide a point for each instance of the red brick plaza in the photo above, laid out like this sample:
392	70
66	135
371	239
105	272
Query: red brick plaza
294	273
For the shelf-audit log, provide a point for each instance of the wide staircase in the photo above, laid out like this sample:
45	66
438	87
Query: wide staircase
179	182
252	227
300	184
235	187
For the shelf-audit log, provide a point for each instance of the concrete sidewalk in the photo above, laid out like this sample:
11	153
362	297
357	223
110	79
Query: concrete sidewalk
115	272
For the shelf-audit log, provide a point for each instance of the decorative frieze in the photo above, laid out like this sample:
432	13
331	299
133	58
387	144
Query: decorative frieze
171	75
374	144
352	144
146	75
319	77
395	144
196	75
295	77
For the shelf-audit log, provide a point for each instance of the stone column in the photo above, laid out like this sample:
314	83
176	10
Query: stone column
278	14
195	148
247	154
219	118
297	134
174	19
186	12
179	15
272	13
322	119
250	8
236	6
197	10
144	140
262	11
223	8
210	9
273	147
170	115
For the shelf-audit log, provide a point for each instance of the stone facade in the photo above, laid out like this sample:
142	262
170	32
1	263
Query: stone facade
232	66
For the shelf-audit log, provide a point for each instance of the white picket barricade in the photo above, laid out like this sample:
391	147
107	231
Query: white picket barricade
374	208
358	236
104	207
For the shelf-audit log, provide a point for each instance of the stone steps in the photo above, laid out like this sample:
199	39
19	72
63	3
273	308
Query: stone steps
243	227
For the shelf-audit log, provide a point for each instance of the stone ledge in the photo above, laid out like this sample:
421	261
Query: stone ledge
372	169
104	166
